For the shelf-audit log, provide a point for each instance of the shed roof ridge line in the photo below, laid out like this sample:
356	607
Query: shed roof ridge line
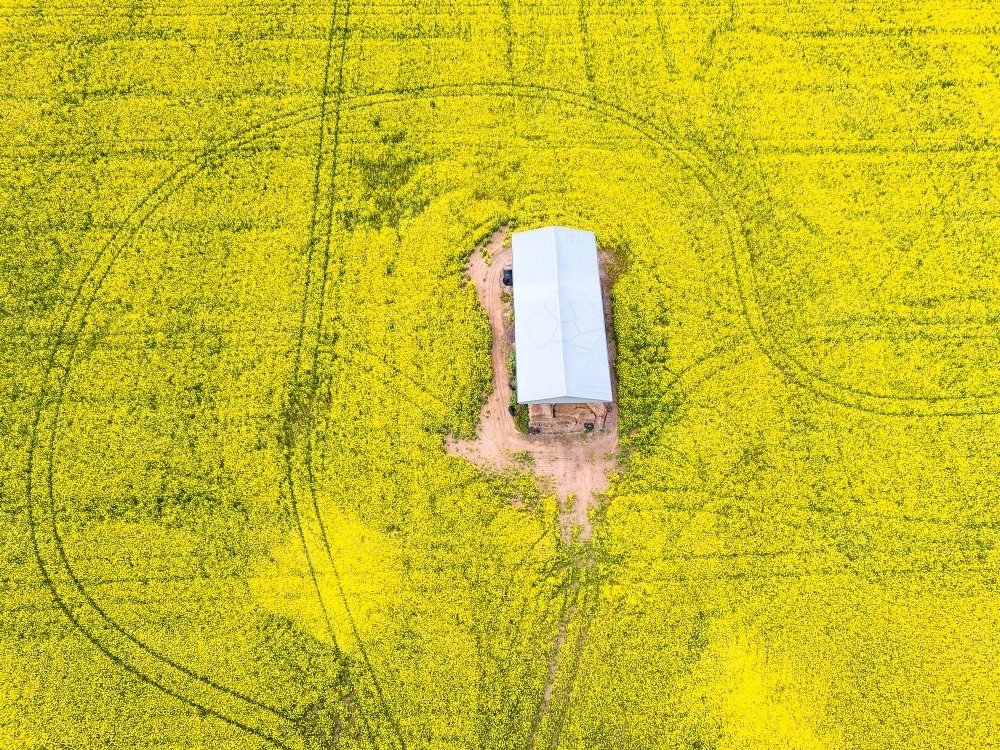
562	342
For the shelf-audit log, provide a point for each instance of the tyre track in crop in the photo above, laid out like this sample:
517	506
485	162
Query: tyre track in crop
764	206
700	506
359	347
507	12
586	49
330	198
680	388
666	49
317	178
843	570
305	382
291	429
311	483
566	611
129	652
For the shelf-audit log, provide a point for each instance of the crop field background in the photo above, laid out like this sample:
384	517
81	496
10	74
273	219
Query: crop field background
235	329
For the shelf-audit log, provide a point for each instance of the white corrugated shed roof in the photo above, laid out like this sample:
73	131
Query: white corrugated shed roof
559	338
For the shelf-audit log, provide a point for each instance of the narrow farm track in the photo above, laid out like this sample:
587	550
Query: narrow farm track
553	667
571	464
578	611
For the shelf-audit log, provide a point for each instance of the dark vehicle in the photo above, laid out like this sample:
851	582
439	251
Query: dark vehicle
507	277
513	410
588	426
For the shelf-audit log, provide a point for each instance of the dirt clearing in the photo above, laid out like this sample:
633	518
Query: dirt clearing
570	465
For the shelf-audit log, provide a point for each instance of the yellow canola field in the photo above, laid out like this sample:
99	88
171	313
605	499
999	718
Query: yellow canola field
235	328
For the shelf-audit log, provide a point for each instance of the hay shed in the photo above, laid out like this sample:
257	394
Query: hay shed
560	340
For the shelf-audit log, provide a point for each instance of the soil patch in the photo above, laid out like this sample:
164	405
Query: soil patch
576	465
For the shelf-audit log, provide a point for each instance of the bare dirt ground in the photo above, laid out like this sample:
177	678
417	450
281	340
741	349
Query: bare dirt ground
566	464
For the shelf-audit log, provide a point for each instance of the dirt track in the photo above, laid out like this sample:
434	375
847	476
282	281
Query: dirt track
577	464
